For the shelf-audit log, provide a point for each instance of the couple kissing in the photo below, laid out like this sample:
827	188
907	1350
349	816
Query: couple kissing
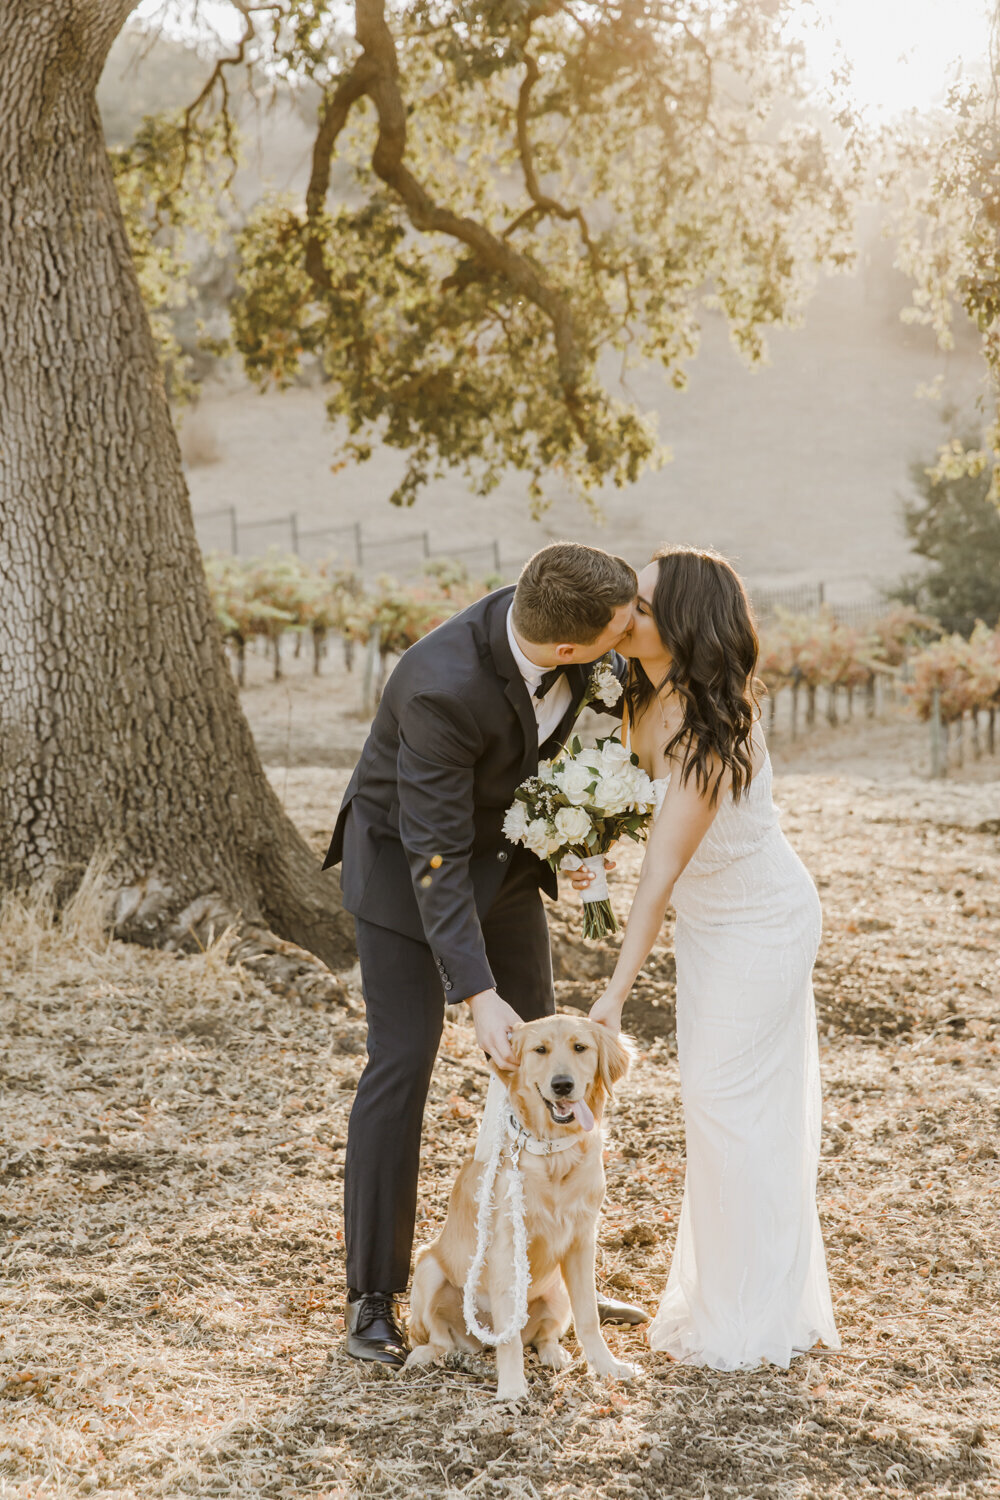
449	912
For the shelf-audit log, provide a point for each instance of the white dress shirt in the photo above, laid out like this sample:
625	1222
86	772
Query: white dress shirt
550	709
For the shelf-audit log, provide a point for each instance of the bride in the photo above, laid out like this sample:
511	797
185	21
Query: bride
748	1279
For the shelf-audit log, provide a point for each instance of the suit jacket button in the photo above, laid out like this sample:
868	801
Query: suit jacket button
502	855
448	985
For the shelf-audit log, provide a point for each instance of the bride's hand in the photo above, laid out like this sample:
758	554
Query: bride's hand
582	877
607	1011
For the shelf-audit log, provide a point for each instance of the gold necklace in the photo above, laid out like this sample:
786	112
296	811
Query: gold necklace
663	715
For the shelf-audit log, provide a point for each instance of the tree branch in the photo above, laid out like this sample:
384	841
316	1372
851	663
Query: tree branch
493	254
542	203
218	76
336	108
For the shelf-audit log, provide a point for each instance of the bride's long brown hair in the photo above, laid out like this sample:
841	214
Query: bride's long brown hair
701	610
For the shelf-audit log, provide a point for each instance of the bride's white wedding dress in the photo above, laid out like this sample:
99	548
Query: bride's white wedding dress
748	1279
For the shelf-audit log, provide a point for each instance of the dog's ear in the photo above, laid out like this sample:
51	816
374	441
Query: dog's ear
614	1055
507	1075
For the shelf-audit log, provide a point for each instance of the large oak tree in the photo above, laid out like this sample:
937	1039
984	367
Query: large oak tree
537	185
120	726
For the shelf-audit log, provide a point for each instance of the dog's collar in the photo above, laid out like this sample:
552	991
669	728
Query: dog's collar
525	1141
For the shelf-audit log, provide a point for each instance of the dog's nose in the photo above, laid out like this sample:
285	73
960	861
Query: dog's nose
562	1085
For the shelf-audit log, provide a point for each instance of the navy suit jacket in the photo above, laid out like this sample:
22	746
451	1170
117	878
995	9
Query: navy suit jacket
419	832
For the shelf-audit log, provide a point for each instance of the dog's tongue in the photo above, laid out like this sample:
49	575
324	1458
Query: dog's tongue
581	1110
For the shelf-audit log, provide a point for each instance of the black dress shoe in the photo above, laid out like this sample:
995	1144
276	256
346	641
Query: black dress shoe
611	1311
373	1330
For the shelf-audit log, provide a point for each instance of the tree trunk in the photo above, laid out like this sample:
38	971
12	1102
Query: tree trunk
319	647
939	738
120	723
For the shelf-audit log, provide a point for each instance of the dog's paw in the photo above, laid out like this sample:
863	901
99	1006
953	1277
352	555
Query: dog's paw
554	1357
423	1354
613	1369
514	1391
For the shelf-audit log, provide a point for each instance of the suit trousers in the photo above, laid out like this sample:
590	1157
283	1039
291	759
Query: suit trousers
405	1001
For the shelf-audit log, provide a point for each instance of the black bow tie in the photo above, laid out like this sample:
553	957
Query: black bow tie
548	679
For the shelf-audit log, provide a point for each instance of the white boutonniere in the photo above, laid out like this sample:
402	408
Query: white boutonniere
602	685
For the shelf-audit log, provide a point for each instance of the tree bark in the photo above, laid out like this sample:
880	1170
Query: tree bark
121	731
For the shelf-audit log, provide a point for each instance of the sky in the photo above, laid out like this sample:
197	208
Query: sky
903	54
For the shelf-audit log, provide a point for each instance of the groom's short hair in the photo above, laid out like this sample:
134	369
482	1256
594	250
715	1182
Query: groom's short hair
569	592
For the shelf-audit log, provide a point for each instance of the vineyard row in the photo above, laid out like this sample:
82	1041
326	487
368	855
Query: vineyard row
945	678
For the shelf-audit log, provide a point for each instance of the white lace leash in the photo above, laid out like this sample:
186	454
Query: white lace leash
511	1130
515	1208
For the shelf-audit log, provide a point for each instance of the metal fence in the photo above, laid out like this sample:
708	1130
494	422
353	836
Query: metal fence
221	530
406	556
811	598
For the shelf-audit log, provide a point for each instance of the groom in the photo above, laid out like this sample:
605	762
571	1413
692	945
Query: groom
447	911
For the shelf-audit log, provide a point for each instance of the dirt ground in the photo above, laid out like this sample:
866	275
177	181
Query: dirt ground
173	1135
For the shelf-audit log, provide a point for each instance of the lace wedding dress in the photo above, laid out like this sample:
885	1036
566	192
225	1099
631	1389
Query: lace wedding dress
748	1278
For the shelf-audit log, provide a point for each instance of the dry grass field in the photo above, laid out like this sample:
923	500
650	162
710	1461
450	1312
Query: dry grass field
173	1138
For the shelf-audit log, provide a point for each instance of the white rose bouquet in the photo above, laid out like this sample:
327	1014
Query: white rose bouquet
572	812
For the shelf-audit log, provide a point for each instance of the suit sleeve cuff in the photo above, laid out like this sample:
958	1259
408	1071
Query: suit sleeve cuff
465	981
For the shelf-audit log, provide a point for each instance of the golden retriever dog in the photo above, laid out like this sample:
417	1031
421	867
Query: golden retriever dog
565	1069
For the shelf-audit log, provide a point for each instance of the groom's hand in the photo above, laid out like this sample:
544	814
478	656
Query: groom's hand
493	1019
